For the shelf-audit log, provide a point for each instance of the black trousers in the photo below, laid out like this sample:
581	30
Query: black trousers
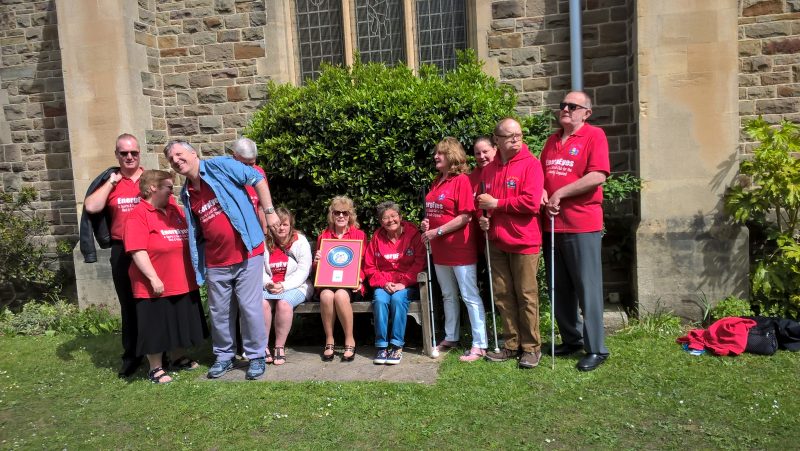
120	262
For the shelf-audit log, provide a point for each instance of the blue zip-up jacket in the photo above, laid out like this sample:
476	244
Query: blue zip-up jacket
227	178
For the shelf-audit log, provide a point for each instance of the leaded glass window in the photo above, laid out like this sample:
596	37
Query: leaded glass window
441	26
380	31
319	29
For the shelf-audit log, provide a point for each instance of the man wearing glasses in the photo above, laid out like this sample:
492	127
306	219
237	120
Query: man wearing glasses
576	164
513	182
113	195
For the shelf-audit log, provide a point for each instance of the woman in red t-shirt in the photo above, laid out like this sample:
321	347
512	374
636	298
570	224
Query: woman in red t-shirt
335	302
449	207
287	264
168	309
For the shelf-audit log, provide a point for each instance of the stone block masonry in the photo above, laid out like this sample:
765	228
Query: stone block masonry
203	77
769	62
34	136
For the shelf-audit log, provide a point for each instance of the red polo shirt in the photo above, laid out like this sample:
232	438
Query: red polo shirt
120	203
584	151
223	244
447	199
164	235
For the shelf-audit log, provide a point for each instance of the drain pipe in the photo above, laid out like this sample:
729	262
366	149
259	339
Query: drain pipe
576	45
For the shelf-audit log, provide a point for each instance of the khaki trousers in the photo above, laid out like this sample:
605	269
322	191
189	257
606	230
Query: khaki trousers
517	298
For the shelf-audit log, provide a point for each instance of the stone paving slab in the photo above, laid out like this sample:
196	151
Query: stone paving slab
304	364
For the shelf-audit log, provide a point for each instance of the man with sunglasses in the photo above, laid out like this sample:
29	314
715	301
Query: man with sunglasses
576	164
111	198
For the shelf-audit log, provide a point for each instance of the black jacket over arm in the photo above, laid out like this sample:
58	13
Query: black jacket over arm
95	225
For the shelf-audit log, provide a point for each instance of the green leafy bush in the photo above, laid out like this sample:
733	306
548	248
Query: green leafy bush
731	306
39	318
767	200
369	132
25	265
619	187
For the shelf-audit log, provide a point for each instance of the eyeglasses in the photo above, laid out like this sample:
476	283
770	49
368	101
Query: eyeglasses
571	106
341	213
511	137
132	153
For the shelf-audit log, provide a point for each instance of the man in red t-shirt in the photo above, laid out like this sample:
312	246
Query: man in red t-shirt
118	196
576	164
513	183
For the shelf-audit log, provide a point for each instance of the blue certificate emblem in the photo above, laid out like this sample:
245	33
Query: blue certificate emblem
339	256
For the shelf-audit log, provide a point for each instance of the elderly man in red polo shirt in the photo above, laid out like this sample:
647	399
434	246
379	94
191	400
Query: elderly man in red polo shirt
576	164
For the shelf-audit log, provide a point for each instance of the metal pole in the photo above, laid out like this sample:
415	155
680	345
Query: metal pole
576	45
553	291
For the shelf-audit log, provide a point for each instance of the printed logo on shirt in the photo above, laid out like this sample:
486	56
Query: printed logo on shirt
433	209
409	252
278	266
573	151
391	257
558	166
441	196
174	235
511	183
126	204
209	210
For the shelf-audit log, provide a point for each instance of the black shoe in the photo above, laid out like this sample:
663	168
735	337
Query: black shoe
591	361
129	367
562	350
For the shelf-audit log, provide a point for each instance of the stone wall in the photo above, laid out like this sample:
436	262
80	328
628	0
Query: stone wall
530	39
769	61
206	60
33	124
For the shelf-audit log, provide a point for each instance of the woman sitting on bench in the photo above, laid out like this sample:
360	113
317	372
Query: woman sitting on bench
287	264
393	258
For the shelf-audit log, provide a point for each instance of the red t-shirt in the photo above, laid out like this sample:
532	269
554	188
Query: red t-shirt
223	244
251	191
120	203
351	234
447	199
278	262
584	151
164	235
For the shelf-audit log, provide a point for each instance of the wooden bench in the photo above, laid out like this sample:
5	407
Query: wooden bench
417	309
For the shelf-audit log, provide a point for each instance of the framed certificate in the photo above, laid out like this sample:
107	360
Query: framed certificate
339	264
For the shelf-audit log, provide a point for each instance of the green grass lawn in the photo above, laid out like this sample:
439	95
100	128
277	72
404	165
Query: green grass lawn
62	393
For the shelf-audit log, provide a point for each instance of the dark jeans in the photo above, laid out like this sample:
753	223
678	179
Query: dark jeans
120	262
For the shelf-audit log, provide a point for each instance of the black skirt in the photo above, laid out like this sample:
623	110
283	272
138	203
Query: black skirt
170	322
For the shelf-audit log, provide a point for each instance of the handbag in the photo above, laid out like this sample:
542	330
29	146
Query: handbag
761	341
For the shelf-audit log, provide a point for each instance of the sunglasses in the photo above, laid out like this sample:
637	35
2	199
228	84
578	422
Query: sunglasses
570	106
132	153
341	213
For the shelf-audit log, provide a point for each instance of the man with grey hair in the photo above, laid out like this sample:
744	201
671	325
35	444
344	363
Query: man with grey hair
246	151
230	252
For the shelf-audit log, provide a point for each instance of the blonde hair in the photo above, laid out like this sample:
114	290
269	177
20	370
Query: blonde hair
452	149
347	203
150	178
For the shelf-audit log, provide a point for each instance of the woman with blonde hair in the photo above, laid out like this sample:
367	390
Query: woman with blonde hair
168	303
335	302
287	265
449	207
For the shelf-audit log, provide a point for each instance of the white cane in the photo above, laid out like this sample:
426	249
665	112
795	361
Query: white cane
434	350
491	283
553	291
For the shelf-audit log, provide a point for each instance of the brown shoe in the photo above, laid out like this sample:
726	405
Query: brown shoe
530	359
501	356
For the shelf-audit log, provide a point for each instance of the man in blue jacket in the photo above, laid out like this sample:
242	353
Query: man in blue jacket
226	244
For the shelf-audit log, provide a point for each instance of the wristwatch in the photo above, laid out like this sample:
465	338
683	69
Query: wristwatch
439	232
269	210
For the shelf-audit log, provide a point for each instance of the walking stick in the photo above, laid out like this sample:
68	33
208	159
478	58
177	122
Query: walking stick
553	291
434	351
491	283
